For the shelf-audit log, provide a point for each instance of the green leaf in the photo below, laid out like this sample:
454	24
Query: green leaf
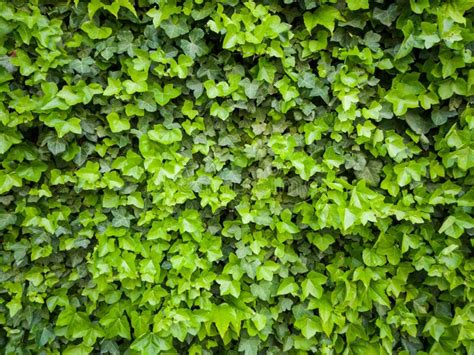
165	136
222	111
266	71
95	32
190	222
323	241
89	173
249	346
7	139
116	123
150	343
287	90
31	171
116	324
371	258
165	94
324	15
223	315
357	4
175	27
195	46
132	87
7	219
163	12
348	219
370	173
267	270
81	349
233	37
435	327
76	324
63	126
312	285
229	287
309	326
8	181
377	293
287	286
14	306
188	110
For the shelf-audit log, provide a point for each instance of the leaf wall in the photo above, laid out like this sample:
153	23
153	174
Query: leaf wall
228	176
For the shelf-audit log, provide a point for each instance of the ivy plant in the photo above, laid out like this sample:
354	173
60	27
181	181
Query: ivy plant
236	176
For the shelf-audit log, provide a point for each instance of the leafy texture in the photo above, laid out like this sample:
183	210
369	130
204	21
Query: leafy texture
223	176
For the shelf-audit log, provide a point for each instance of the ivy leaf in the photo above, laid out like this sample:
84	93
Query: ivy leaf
85	66
441	116
195	46
6	219
357	4
309	327
150	343
165	136
7	139
288	286
377	293
8	181
175	27
371	258
31	171
266	71
323	241
324	15
371	172
223	315
190	222
64	127
348	218
233	37
249	346
76	324
165	94
81	349
267	270
95	32
116	324
435	327
250	88
188	110
163	13
116	123
312	285
222	111
121	218
418	124
89	173
229	287
132	87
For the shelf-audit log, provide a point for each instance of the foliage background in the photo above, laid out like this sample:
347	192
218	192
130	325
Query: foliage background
236	176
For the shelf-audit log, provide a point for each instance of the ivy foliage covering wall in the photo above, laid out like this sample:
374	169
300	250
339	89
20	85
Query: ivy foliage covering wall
223	176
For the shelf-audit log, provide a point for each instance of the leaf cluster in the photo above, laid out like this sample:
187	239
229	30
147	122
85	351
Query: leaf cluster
223	176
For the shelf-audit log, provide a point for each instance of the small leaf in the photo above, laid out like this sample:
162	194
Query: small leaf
165	136
95	32
287	286
357	4
116	123
324	15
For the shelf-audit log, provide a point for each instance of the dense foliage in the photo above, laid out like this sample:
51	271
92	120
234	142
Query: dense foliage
223	176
